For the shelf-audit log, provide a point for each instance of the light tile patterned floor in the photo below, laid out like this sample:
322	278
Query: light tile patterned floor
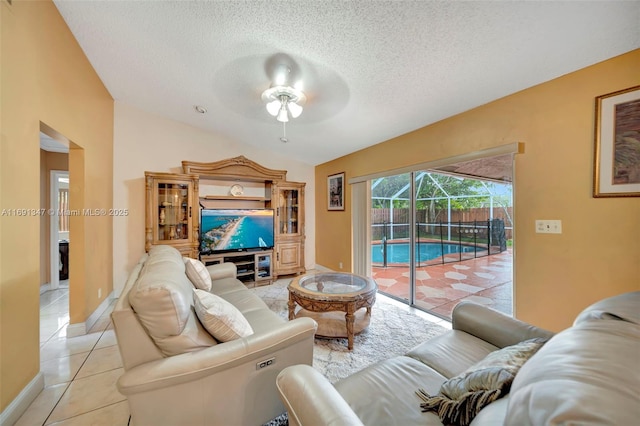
79	372
486	280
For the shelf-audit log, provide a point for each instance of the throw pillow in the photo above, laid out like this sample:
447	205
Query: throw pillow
462	397
197	273
219	317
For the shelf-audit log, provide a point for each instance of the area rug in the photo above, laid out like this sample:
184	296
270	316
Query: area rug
392	331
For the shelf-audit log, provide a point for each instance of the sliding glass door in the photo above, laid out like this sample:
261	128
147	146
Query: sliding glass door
434	234
425	225
391	235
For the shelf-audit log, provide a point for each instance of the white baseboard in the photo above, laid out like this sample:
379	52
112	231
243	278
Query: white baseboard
81	328
75	330
45	287
322	268
19	405
117	292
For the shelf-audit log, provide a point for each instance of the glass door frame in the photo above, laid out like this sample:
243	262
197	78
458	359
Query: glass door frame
411	243
361	200
412	239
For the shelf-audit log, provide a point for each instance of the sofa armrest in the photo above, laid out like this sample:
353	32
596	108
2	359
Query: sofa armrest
310	399
192	366
222	270
492	326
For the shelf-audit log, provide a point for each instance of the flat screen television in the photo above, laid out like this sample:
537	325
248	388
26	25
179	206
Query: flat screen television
227	230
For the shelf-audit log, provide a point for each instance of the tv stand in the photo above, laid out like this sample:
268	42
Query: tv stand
254	267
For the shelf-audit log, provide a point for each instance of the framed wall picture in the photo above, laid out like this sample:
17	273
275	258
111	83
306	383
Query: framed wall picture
335	191
617	147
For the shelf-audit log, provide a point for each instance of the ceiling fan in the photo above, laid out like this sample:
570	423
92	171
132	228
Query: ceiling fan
284	85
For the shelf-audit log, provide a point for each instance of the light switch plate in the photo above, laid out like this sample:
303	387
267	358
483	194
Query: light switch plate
549	226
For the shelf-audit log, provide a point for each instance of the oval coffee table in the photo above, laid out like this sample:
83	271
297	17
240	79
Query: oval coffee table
322	296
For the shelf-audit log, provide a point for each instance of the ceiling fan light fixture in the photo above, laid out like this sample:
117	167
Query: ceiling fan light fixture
294	109
283	116
273	107
282	101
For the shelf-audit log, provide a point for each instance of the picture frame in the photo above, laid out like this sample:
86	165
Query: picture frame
617	144
335	191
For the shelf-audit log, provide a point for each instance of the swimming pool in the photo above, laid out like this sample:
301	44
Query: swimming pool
399	252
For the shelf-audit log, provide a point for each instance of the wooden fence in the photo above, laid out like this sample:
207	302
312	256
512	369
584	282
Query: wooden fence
481	214
401	220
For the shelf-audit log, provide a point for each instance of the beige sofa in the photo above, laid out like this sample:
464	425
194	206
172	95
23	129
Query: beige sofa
176	373
586	375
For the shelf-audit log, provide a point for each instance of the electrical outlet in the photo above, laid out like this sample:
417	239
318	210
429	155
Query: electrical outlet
548	226
340	265
99	293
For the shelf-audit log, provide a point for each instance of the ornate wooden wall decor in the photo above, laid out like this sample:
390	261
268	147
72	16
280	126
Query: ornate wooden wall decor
234	168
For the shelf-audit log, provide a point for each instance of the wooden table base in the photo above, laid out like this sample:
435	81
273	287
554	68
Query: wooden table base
334	324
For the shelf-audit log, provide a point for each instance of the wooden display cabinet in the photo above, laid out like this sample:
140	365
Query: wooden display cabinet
284	197
287	199
172	212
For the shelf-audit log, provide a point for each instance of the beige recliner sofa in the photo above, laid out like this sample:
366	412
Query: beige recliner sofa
176	373
586	375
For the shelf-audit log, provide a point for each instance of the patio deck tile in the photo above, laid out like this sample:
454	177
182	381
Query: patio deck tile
487	280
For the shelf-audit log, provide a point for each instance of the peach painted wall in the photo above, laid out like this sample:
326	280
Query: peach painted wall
47	79
146	142
555	276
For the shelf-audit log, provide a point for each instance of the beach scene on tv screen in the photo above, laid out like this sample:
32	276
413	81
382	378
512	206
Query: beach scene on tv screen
236	229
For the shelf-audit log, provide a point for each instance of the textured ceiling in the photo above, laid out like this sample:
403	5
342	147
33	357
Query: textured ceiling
372	70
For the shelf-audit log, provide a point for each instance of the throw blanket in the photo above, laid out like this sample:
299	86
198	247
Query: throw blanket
462	397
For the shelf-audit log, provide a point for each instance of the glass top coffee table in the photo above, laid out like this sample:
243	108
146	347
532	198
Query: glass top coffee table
323	296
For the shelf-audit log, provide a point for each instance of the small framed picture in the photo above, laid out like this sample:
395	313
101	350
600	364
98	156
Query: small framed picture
616	172
335	190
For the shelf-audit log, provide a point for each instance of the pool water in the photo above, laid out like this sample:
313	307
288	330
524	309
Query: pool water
399	252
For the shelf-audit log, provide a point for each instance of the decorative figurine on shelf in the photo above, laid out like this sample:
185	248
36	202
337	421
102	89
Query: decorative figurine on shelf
162	216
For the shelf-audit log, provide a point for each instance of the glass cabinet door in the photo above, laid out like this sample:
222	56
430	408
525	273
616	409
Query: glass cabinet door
173	211
171	202
288	211
263	266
